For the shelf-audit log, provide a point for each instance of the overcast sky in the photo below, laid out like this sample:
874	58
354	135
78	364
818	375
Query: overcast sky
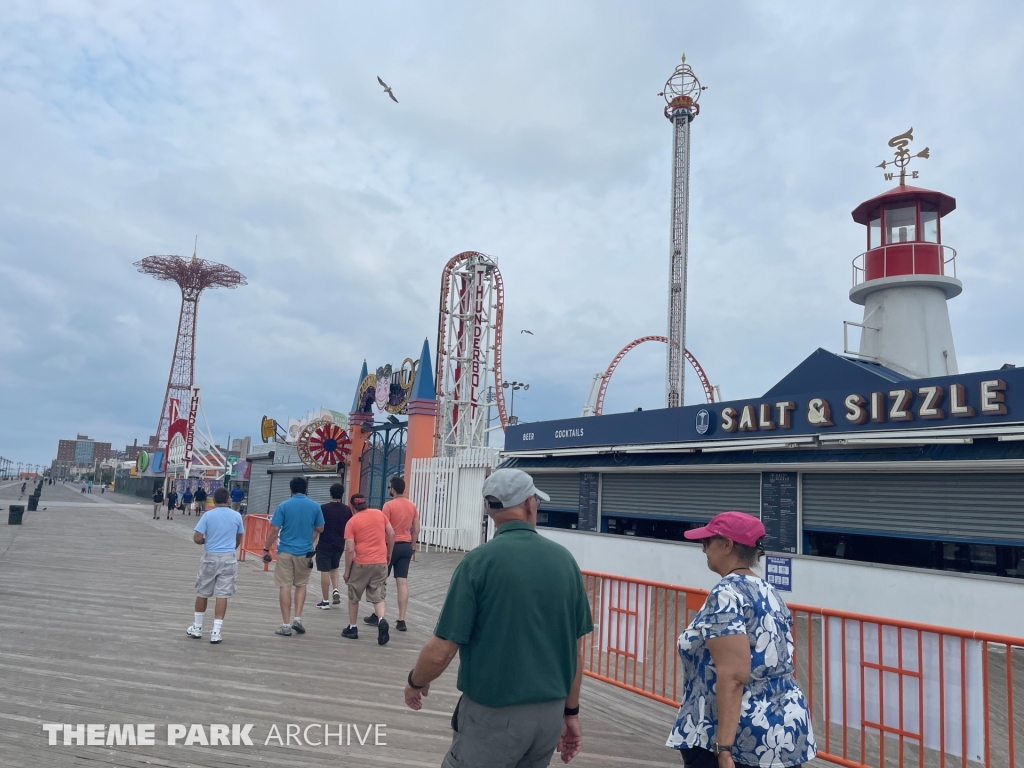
531	131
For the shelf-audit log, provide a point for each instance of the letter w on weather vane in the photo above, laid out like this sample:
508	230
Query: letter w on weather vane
902	157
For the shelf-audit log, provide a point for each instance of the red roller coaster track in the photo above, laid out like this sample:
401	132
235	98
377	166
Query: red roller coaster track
442	349
709	393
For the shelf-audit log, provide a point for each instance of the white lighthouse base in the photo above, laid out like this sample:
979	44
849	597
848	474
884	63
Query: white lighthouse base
907	323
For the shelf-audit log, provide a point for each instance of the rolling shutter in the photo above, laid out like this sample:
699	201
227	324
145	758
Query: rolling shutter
562	487
983	506
259	487
279	490
682	495
320	488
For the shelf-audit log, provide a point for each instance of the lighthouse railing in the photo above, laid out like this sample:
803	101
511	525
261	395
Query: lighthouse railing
922	261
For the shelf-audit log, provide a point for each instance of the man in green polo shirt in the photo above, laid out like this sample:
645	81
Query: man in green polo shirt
515	612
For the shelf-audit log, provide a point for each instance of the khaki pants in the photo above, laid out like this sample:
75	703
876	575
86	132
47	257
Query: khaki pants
520	736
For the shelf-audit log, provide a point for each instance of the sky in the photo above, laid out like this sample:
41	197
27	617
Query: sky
529	131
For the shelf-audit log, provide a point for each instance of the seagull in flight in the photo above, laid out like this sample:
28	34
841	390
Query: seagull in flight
387	89
529	332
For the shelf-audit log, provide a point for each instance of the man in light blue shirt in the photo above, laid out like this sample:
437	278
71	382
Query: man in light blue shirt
220	532
293	524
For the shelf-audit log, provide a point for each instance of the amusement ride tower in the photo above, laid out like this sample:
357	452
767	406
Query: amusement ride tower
681	94
193	276
468	351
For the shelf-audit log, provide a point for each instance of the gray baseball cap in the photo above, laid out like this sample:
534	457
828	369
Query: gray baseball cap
507	488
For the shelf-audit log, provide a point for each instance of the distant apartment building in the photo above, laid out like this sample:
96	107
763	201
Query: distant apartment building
241	445
79	453
131	452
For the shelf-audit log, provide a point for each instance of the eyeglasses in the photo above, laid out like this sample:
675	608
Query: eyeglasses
704	543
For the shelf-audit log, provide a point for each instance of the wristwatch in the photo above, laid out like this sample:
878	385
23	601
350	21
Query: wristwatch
717	749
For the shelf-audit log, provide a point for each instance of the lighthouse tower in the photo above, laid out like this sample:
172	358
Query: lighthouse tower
907	275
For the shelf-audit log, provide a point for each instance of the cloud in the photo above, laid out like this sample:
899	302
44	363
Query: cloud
528	131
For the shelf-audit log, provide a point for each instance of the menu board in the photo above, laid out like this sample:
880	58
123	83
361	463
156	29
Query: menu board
589	486
778	511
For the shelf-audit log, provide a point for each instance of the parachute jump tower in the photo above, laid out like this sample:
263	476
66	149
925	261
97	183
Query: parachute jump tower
681	94
193	276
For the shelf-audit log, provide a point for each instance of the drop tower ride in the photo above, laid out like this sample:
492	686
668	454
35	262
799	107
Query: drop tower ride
681	94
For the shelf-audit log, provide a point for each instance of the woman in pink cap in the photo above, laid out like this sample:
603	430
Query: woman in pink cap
742	706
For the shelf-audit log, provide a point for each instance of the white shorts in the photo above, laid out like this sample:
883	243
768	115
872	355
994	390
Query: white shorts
217	572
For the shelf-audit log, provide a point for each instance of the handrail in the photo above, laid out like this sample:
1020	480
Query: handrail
859	262
872	684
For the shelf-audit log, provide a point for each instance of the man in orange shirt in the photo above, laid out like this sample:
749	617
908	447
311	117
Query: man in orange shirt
369	542
405	520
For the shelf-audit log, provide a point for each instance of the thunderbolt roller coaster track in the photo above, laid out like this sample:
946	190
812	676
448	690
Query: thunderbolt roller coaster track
709	392
443	342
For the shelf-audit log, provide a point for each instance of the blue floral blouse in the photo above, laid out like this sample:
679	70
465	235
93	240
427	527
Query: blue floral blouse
775	727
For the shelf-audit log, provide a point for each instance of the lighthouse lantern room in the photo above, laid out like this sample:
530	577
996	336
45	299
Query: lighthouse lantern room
906	276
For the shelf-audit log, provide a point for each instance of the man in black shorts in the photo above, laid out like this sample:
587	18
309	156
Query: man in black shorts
330	545
405	520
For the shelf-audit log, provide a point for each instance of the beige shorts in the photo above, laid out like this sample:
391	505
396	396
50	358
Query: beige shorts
369	578
217	572
291	570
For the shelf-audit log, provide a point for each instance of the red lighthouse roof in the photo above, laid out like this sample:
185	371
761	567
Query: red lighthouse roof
864	212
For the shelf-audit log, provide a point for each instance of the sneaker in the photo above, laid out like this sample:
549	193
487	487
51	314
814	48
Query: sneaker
194	631
336	597
371	619
400	625
284	630
215	637
382	632
352	633
297	626
323	605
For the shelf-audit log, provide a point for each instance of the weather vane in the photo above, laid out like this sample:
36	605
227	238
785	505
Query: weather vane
903	157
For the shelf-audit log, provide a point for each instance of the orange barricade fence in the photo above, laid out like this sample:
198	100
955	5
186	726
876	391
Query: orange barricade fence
882	692
256	529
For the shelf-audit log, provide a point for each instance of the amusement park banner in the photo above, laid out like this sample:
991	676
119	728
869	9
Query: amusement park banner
870	404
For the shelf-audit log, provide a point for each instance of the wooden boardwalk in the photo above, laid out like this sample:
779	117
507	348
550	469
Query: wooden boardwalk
96	599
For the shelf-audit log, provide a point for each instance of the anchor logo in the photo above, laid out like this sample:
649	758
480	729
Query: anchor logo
703	421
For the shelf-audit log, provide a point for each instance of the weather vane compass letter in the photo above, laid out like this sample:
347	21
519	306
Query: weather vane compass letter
902	157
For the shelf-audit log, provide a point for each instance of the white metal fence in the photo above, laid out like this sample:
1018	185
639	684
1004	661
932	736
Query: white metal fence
447	491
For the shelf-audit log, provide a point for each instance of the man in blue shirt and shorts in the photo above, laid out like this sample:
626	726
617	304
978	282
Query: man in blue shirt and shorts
296	520
237	494
220	533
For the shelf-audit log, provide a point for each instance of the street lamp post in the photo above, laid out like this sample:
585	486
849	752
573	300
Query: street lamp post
513	385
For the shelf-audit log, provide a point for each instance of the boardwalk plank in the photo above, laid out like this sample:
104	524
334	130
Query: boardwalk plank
97	598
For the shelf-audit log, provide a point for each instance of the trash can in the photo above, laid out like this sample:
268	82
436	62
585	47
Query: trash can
15	513
33	505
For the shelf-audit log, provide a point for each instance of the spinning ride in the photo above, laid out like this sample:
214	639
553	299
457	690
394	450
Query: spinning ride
323	446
